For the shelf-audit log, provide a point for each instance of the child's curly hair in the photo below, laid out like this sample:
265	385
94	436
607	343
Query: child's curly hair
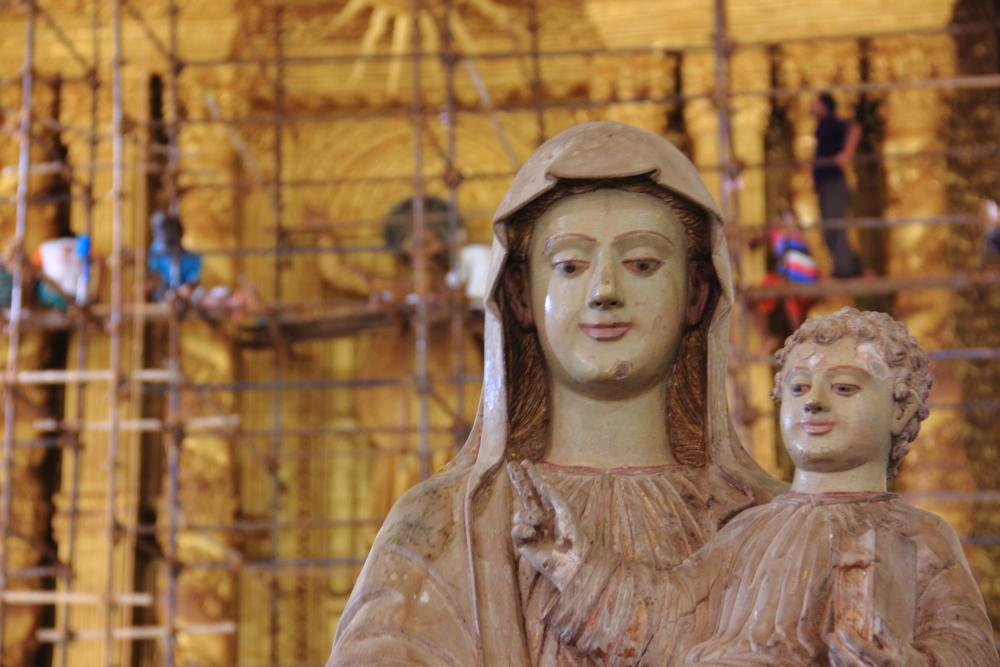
899	350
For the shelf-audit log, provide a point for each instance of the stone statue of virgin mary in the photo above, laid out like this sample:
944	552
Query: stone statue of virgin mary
607	325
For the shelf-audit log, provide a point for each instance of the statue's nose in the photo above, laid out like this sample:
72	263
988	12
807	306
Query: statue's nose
813	407
604	293
604	302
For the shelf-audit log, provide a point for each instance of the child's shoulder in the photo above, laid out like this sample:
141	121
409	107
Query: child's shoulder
894	511
923	523
936	538
755	515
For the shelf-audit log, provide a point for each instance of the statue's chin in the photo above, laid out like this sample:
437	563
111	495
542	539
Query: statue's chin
617	380
824	460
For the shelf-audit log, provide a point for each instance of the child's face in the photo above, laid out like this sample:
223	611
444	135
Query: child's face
837	407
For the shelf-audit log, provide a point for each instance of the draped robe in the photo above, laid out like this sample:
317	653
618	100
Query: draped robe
656	516
760	592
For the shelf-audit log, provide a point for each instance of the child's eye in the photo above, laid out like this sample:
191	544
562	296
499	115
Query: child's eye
798	388
845	389
570	267
643	266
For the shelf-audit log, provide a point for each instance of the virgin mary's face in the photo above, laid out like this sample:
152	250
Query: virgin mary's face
609	290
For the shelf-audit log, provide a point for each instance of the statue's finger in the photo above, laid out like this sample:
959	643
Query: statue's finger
558	503
528	517
514	473
552	500
531	480
523	534
523	487
543	490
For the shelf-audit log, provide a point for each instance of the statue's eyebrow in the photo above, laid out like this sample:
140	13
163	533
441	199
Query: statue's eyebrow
644	238
643	232
841	367
849	367
567	236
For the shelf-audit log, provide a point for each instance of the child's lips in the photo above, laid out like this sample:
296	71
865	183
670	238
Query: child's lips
817	427
606	330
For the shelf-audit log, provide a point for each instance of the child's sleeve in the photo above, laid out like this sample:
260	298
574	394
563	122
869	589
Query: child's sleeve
952	626
621	612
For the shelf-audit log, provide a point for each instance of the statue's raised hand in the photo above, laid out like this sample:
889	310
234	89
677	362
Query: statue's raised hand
546	531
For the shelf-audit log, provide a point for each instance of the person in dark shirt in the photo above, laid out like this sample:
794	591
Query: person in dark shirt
171	266
173	269
836	141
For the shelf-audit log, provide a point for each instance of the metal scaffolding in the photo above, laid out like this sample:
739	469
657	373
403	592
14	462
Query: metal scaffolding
127	377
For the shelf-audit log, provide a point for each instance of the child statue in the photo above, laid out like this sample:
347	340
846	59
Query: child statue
836	571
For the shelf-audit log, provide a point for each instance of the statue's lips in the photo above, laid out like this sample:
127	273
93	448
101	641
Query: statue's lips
817	428
606	331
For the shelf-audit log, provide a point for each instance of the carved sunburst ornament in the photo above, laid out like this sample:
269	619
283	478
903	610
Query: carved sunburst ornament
391	21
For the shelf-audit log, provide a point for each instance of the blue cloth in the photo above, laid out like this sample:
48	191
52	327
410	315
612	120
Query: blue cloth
50	298
6	287
83	252
797	276
831	135
160	264
786	242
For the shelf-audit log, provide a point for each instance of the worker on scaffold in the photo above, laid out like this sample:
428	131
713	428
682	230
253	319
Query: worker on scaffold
836	141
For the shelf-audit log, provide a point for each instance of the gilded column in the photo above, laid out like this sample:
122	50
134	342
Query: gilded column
206	552
30	506
749	115
90	552
914	119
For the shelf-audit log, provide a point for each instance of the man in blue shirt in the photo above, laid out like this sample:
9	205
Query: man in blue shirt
836	141
171	266
173	269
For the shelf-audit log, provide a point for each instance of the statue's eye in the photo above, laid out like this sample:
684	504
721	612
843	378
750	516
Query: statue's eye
643	266
845	389
798	388
570	267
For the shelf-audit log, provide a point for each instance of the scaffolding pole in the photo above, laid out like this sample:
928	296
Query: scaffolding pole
72	452
420	259
280	350
17	299
452	180
729	201
174	434
112	533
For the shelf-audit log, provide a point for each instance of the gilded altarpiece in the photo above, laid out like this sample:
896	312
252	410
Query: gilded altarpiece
277	506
